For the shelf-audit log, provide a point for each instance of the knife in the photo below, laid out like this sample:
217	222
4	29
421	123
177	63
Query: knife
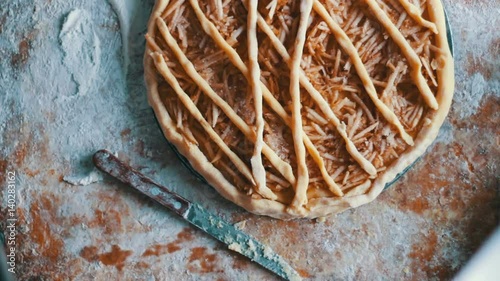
195	214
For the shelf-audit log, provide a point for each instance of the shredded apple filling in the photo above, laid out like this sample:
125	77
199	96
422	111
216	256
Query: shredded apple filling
294	101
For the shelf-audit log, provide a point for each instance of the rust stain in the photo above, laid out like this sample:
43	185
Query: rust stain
239	261
111	217
73	267
425	250
424	258
30	142
31	173
22	150
3	171
479	65
43	214
185	235
89	253
429	185
113	199
418	205
488	115
76	220
21	57
110	220
21	220
159	249
494	48
459	153
202	262
42	246
125	133
142	265
139	148
304	273
116	257
486	118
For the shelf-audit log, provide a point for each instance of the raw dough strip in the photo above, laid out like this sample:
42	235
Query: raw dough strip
408	52
320	101
234	57
442	53
284	168
313	151
220	11
349	48
390	83
272	8
302	183
162	67
259	173
170	9
416	15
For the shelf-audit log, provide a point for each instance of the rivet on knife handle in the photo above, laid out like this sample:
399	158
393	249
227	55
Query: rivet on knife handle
108	163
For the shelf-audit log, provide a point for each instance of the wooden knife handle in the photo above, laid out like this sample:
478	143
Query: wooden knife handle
110	164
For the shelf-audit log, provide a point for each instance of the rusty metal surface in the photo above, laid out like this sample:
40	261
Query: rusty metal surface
199	217
56	113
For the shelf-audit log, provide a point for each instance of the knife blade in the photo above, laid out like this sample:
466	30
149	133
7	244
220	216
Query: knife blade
195	214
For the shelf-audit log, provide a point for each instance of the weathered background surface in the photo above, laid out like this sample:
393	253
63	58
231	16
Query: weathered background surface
70	85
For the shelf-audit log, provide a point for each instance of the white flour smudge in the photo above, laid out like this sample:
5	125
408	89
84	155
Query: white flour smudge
84	180
123	10
468	99
82	50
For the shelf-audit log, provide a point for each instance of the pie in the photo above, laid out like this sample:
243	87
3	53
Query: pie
299	108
